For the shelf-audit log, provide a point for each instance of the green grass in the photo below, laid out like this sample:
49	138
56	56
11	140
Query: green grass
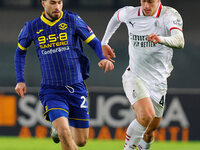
15	143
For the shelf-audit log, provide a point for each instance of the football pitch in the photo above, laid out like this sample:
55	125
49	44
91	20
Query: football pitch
15	143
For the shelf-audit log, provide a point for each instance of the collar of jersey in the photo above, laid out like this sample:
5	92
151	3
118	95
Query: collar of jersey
157	14
50	23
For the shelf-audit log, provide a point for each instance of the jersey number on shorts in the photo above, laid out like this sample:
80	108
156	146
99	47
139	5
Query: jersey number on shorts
162	101
84	103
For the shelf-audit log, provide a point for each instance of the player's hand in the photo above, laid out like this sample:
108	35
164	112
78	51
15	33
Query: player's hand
108	52
21	89
154	38
107	65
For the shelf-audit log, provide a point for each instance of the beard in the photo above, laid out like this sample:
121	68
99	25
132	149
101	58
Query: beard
53	17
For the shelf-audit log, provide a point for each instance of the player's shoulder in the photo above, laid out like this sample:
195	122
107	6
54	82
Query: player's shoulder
127	12
70	14
169	11
32	23
128	9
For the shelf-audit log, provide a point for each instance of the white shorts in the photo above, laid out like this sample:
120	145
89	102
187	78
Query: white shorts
136	89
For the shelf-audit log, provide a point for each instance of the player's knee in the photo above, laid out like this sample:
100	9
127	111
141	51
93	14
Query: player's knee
82	142
64	134
146	118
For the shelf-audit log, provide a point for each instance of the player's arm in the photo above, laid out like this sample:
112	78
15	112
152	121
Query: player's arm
89	37
112	26
174	24
176	40
20	54
104	63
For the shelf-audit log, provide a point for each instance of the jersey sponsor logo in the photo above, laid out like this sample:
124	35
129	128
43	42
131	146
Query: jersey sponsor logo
56	50
53	40
63	26
39	31
156	23
141	41
132	24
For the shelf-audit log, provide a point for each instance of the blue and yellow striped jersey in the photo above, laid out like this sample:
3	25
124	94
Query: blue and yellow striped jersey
59	48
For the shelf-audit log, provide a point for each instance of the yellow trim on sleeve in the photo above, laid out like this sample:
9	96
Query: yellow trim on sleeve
88	40
49	22
21	47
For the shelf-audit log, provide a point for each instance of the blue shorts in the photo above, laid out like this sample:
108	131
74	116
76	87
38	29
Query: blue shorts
69	101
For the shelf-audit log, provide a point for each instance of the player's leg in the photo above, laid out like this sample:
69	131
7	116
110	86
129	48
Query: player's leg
144	115
146	142
79	115
80	135
149	134
144	111
57	112
138	96
54	135
148	139
61	125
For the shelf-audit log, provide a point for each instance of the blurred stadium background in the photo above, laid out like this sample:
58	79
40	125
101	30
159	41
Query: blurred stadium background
109	109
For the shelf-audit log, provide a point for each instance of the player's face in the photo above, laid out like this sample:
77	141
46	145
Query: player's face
52	8
149	7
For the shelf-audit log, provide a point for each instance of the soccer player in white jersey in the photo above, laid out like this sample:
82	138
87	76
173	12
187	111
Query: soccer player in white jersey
153	31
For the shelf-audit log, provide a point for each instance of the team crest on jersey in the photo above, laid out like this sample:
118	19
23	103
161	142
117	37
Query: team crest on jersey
156	23
63	26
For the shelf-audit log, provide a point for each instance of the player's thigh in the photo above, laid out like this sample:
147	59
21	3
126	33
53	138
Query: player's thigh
56	108
61	124
78	107
144	108
159	109
158	97
134	88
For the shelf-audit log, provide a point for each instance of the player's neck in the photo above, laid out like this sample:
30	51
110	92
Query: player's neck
49	18
156	10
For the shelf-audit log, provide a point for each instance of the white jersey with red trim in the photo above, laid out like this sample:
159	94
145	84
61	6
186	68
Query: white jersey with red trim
150	62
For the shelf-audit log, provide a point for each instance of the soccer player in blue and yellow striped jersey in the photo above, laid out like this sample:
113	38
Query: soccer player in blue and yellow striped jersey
57	37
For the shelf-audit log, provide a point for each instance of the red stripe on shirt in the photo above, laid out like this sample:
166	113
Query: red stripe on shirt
159	10
175	28
139	12
118	16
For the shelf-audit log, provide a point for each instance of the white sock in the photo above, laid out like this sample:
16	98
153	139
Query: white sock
134	134
144	146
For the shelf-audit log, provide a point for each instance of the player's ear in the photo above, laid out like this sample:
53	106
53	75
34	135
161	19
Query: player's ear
42	3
